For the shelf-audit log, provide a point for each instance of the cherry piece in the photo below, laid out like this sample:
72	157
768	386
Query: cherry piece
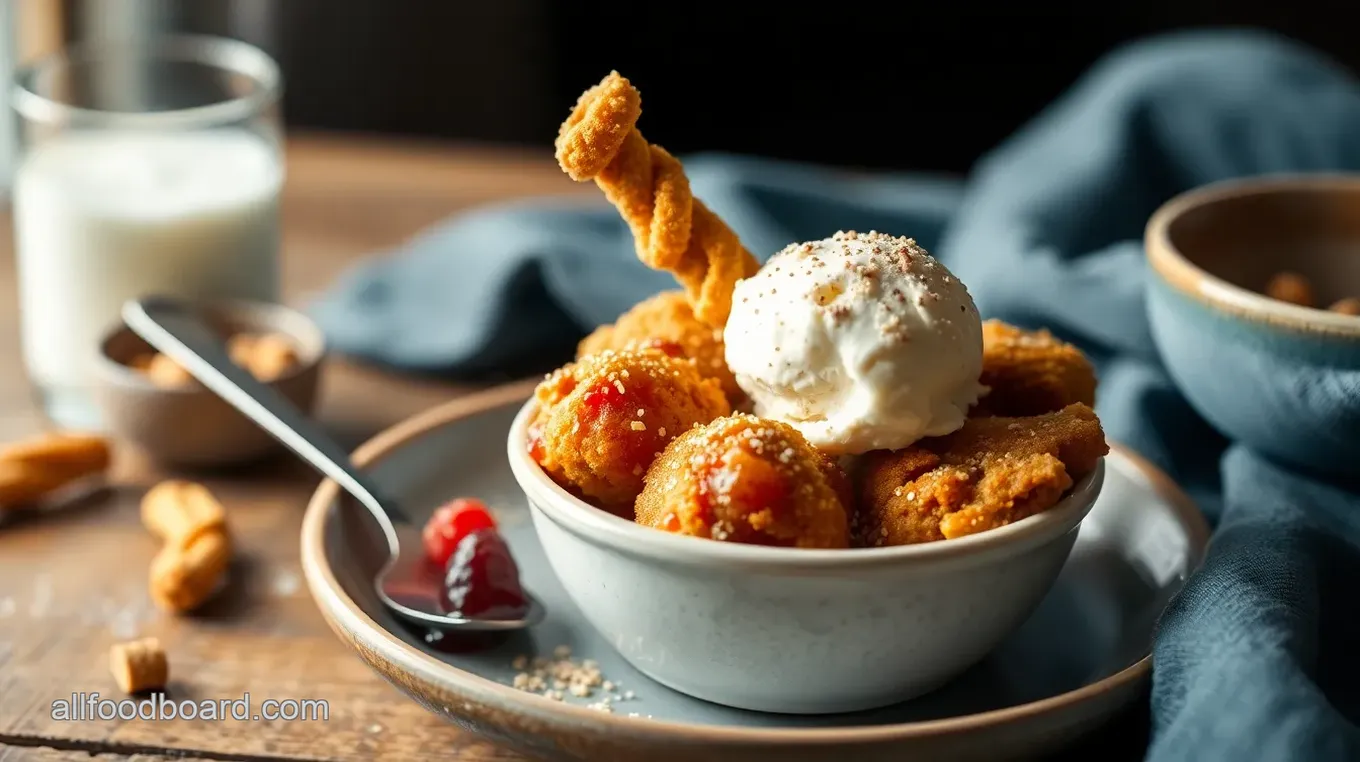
603	394
482	580
537	450
452	522
666	347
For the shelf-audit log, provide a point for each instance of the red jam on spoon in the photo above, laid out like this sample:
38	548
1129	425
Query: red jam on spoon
481	580
450	523
470	574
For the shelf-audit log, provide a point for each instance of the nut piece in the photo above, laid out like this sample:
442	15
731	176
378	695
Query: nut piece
142	362
267	356
167	373
178	512
1291	287
182	579
139	665
1348	306
240	347
33	468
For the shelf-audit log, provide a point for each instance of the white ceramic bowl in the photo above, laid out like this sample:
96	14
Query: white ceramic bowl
792	630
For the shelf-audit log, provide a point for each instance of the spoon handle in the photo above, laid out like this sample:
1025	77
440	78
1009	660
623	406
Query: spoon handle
174	329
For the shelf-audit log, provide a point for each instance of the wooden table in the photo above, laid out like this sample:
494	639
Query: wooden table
73	582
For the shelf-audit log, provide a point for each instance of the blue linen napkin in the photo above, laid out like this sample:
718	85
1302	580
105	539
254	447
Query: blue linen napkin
1259	658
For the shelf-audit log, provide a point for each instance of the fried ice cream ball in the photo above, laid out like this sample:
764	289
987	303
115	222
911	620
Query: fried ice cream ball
749	480
1031	372
667	322
989	473
603	419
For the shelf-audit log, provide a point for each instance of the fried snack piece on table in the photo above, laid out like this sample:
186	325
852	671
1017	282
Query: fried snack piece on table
1031	372
991	472
667	322
748	480
603	419
673	230
34	468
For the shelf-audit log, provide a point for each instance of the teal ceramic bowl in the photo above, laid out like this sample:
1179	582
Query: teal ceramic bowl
1278	377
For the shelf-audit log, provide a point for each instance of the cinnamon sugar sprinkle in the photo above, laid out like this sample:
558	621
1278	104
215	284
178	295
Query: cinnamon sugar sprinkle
896	254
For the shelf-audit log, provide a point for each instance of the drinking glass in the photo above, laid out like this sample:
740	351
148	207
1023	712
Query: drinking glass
147	166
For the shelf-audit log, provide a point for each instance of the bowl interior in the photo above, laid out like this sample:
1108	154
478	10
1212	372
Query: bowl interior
1133	553
1244	235
121	345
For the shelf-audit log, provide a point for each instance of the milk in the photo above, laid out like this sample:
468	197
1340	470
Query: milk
102	217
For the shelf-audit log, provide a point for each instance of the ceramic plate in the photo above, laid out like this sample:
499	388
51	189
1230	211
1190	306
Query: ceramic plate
1080	658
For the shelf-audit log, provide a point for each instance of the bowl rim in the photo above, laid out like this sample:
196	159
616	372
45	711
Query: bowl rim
604	529
313	347
352	623
1176	270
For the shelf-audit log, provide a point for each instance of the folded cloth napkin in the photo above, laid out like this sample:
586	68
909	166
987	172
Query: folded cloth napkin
1259	658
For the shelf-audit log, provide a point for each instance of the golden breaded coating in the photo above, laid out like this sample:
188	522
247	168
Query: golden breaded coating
989	473
748	480
667	322
1031	372
603	419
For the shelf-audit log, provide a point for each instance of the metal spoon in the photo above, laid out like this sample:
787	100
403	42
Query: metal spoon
407	584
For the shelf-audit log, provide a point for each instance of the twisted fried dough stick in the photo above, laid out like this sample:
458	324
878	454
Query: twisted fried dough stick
673	230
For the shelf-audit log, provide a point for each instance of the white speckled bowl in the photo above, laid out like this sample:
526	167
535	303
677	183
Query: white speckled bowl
789	630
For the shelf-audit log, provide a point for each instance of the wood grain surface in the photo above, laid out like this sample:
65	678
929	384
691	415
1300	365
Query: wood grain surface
73	580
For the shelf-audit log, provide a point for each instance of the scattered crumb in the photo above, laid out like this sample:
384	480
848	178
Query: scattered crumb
375	728
560	676
285	584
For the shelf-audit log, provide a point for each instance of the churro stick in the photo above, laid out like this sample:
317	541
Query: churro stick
673	230
20	485
30	470
75	452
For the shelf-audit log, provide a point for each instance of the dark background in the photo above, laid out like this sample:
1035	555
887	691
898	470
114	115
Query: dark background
864	84
851	83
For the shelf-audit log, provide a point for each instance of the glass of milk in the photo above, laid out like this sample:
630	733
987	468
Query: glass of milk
145	166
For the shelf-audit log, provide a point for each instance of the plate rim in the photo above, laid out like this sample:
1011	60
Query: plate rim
336	605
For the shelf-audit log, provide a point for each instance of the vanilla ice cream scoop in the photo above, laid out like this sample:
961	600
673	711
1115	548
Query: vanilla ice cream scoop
860	341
